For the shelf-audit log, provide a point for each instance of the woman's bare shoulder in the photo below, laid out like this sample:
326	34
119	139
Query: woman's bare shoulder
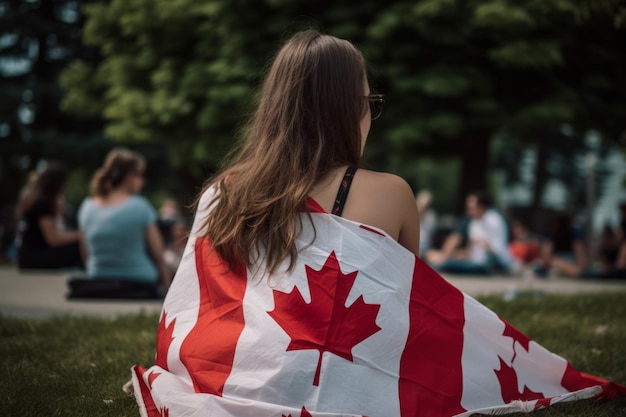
380	199
383	182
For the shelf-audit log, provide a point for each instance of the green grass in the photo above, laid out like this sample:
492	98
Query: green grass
70	366
587	330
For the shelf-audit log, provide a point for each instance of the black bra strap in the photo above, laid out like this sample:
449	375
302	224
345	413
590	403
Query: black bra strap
342	193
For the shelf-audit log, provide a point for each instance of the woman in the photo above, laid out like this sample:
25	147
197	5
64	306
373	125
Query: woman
121	239
294	291
303	145
42	241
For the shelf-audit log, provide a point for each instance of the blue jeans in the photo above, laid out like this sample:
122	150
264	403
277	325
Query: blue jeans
464	266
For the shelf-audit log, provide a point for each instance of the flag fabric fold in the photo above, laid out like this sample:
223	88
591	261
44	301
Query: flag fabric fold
360	327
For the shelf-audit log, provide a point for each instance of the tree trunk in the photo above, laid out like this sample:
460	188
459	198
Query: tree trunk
474	151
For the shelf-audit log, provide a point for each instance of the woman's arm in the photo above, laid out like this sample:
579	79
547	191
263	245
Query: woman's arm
409	236
157	249
52	235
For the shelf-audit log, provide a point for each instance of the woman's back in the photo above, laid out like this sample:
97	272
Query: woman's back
377	199
116	239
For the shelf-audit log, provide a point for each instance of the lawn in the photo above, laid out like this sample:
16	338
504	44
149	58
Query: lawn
77	366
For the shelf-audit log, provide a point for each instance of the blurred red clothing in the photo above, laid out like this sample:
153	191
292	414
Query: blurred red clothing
524	251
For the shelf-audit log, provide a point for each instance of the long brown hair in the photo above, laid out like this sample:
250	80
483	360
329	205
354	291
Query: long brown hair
306	123
47	186
118	163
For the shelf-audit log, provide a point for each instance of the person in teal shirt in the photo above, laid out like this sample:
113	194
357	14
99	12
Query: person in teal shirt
119	234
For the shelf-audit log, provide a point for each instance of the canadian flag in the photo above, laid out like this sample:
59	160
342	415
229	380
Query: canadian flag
361	327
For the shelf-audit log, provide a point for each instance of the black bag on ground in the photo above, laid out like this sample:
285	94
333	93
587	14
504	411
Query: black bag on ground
112	288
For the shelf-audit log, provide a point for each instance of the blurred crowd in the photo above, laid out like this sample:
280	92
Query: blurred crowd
483	241
116	235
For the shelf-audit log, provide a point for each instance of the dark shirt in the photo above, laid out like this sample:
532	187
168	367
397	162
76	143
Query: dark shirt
563	241
33	250
30	237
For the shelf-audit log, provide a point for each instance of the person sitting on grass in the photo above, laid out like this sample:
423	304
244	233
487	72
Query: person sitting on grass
42	241
487	242
524	246
120	236
563	249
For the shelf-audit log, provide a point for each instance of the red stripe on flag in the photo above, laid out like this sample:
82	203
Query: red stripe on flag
314	206
209	348
431	382
146	395
369	229
573	381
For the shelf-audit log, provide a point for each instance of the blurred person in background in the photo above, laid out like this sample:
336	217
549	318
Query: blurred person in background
563	249
524	246
174	249
608	249
168	216
42	239
428	220
120	236
454	245
487	241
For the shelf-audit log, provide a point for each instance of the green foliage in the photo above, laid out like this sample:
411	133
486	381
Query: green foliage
184	73
173	73
84	96
526	55
38	39
501	15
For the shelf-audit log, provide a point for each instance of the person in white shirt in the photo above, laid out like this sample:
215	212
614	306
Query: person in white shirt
487	237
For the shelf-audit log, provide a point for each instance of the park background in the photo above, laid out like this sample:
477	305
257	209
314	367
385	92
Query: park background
525	99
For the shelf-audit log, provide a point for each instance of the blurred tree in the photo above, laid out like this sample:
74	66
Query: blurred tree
457	72
182	73
561	155
38	38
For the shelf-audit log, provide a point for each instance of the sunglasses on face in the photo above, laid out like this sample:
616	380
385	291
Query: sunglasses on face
376	102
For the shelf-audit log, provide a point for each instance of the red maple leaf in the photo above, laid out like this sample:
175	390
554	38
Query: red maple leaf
325	324
164	340
303	413
517	336
543	403
164	411
508	385
151	377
